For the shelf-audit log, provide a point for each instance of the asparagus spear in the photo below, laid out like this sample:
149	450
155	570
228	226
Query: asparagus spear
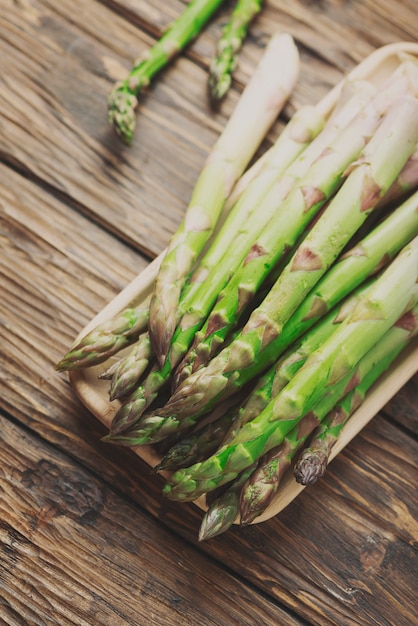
257	108
122	100
224	510
233	35
332	411
313	460
107	339
383	303
125	373
198	445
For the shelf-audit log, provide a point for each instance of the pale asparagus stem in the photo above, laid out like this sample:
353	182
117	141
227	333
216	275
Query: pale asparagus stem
257	108
384	157
126	373
353	92
107	338
233	34
378	309
224	510
123	101
332	412
313	460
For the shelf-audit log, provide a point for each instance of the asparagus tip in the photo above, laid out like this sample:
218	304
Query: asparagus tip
310	467
121	112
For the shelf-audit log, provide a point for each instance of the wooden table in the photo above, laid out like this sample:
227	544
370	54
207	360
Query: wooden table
86	537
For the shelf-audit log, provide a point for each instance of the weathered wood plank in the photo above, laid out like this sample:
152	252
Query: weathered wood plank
314	557
74	552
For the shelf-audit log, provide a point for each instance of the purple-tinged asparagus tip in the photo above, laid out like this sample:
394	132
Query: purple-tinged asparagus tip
310	467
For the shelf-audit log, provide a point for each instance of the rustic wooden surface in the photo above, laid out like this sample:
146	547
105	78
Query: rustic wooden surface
85	535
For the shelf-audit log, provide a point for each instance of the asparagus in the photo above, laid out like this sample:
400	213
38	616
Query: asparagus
377	310
233	35
198	445
107	339
375	251
123	100
303	126
223	511
247	218
257	108
353	202
313	460
289	221
331	412
125	373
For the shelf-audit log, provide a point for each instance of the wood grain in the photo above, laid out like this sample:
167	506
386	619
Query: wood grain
74	552
81	521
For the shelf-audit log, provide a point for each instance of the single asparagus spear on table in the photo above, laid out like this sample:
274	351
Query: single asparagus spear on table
397	135
123	100
257	109
386	300
233	34
332	412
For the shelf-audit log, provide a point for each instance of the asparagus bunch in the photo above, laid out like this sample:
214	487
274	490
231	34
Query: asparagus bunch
233	34
313	460
332	412
378	309
348	210
257	108
123	99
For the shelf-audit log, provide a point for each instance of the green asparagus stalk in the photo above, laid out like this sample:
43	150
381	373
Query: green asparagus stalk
229	44
277	377
379	308
206	440
224	510
257	108
332	412
123	100
127	371
107	339
289	221
313	460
